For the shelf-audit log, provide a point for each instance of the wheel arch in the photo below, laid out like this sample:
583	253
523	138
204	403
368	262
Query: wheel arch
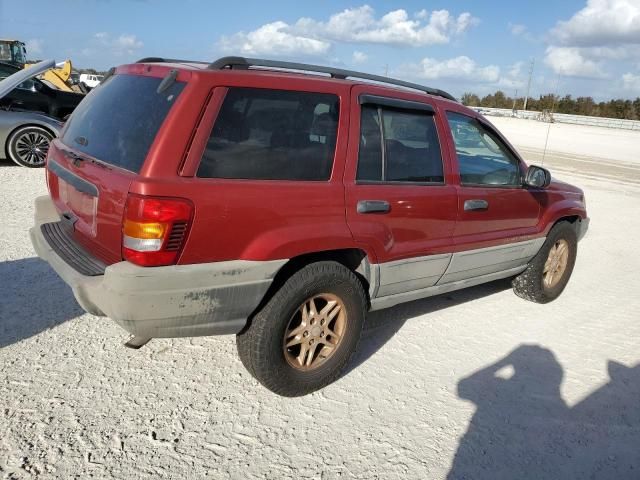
573	219
355	259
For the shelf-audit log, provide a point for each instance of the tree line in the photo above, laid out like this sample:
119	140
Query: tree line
615	108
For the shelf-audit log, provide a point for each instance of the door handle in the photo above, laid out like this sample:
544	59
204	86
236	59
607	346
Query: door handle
373	206
470	205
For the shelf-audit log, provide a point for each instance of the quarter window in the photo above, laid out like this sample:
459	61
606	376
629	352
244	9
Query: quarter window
410	151
483	158
272	135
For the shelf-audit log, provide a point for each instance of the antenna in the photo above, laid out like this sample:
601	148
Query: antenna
553	106
526	97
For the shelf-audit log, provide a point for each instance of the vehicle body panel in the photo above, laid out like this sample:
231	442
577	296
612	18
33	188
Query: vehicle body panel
427	243
257	219
28	93
12	120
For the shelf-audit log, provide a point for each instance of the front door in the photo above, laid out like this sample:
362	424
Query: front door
399	203
497	217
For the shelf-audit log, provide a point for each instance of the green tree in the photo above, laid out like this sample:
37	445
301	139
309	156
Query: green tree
470	99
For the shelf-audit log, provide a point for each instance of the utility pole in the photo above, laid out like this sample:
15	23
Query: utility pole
386	70
526	97
515	99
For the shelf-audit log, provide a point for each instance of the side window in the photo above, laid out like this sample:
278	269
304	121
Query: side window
272	135
483	158
410	151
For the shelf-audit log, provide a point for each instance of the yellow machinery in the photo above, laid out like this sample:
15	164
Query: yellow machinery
59	77
15	53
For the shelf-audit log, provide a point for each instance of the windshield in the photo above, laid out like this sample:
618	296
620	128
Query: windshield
118	121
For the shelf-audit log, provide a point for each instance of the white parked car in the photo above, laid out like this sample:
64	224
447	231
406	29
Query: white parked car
90	81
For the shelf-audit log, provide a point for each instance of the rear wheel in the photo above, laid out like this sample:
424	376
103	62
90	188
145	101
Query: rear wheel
305	335
549	271
28	146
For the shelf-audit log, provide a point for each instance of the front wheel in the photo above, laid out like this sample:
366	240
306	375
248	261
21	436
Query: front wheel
28	146
304	336
549	271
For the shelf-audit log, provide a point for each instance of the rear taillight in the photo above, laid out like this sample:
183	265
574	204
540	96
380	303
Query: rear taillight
154	229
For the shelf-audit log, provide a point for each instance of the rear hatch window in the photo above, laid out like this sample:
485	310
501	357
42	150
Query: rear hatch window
118	121
115	124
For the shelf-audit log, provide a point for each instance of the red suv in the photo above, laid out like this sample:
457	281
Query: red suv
281	202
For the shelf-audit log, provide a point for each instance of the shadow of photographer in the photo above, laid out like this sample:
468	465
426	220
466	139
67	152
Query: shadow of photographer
523	429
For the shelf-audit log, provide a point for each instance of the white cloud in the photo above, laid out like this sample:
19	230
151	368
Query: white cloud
360	25
353	25
359	57
34	47
570	62
516	69
517	29
124	44
602	32
631	82
273	39
601	22
521	31
128	43
458	68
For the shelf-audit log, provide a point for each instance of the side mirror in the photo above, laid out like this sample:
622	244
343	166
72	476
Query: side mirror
537	177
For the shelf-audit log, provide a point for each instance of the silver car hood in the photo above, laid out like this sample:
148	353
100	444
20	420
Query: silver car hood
12	81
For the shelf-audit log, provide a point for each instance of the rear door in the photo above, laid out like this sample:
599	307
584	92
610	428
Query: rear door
400	203
102	150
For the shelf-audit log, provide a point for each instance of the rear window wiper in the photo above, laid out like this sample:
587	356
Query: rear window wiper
167	81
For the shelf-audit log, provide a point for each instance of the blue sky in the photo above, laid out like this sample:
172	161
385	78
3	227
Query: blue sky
581	47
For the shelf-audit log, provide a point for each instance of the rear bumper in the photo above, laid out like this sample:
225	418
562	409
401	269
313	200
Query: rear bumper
174	301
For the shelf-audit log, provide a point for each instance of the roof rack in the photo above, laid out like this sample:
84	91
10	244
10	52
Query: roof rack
167	60
246	63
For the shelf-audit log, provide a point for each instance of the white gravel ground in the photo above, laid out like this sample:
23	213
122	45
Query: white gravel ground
429	394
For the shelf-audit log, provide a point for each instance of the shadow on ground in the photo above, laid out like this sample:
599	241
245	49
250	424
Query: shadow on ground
33	299
523	429
382	325
5	162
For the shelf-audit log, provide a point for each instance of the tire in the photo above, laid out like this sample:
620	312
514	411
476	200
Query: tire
541	282
263	346
28	146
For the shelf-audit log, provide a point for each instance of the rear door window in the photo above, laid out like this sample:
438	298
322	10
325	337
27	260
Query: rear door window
272	135
117	122
410	151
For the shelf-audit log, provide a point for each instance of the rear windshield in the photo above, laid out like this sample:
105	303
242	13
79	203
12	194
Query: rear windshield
118	121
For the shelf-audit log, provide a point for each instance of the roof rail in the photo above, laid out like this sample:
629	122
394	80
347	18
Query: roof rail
246	63
167	60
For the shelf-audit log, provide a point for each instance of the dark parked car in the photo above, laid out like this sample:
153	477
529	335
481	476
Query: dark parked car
282	207
35	95
24	135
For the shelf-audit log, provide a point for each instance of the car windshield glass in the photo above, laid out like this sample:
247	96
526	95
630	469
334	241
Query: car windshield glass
118	121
